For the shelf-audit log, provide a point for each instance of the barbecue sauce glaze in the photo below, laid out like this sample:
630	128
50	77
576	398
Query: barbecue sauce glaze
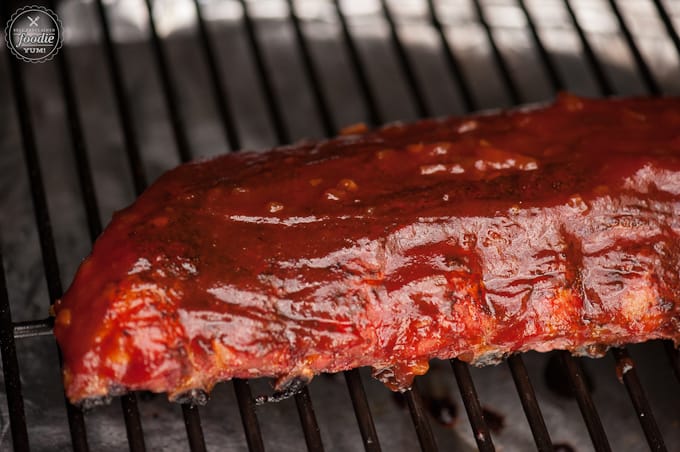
475	237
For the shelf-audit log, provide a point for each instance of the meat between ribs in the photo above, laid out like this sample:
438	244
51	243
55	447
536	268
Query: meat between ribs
471	237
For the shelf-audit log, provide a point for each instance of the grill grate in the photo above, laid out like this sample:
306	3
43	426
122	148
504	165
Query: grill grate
10	331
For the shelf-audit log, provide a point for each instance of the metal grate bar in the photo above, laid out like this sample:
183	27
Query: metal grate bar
308	420
474	410
192	422
367	95
451	59
192	419
33	328
80	154
423	429
133	423
668	24
420	421
672	352
169	89
220	92
353	378
49	255
585	402
124	114
644	70
551	70
625	368
242	389
10	370
673	357
302	399
509	83
623	360
362	410
244	396
251	426
243	393
82	160
310	71
273	106
417	95
593	61
461	370
530	403
525	389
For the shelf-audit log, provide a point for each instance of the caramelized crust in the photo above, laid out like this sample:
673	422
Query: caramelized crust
473	237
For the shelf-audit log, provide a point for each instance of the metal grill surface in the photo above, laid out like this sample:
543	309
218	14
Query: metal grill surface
143	85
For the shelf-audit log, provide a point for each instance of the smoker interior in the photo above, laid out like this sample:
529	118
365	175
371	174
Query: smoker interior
128	98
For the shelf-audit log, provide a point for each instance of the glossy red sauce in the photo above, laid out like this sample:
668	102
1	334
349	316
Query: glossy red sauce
473	237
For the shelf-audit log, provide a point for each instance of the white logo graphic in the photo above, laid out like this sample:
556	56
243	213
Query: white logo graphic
34	34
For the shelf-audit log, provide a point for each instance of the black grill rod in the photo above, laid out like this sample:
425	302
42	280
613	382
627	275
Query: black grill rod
10	370
169	89
673	357
133	423
367	95
219	90
551	70
192	419
668	24
311	73
423	429
251	426
369	435
130	137
625	369
525	389
643	68
266	84
308	420
672	352
352	377
244	395
621	357
451	59
510	85
463	376
593	61
530	403
122	105
585	402
192	423
417	94
631	380
75	416
310	427
420	421
480	429
466	385
590	415
303	401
